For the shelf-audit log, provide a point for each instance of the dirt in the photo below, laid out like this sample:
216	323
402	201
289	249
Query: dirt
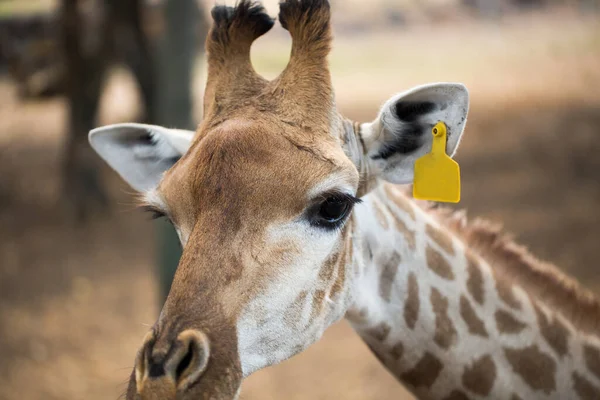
76	300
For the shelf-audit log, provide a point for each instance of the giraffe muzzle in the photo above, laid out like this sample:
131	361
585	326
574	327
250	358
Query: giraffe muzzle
166	368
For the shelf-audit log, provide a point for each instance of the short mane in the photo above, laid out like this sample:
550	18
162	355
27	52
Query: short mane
516	264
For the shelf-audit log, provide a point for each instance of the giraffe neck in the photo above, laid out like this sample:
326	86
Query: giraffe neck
443	322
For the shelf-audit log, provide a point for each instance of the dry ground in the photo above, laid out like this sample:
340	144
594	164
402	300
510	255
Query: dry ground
75	301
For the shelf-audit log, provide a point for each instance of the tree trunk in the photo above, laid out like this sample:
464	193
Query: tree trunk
91	42
185	29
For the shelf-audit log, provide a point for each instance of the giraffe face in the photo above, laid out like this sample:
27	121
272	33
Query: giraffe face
265	221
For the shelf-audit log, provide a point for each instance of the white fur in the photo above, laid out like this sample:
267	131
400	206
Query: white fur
452	106
141	164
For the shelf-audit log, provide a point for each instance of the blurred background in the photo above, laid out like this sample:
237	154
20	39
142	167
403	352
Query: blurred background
83	274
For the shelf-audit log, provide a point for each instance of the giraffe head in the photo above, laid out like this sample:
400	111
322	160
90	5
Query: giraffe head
261	196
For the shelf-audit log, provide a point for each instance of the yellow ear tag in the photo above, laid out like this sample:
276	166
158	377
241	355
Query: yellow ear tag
437	176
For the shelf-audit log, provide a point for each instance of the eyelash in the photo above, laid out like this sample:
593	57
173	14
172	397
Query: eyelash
341	196
154	212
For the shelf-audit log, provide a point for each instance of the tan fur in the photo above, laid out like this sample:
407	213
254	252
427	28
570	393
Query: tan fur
412	304
474	323
584	388
425	372
507	323
445	332
536	368
479	377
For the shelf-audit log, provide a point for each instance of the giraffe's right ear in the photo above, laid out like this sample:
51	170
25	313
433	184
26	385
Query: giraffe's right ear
140	153
402	131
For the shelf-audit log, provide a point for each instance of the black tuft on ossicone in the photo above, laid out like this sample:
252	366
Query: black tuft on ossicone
248	17
221	15
300	8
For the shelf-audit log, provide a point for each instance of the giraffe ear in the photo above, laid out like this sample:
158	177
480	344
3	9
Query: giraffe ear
402	131
140	153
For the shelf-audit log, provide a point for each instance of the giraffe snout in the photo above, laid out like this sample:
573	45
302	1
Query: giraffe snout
165	368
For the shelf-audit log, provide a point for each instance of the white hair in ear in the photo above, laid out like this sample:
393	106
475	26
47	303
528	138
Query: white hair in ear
402	131
140	153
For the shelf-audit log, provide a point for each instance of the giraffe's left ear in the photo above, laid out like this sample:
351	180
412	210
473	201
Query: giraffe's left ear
140	153
402	131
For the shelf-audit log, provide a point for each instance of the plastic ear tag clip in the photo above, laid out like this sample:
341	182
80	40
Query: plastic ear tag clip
437	176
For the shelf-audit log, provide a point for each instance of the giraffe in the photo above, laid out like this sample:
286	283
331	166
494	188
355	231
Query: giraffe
290	219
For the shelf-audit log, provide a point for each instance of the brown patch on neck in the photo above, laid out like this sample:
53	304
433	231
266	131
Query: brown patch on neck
474	323
424	373
537	368
513	264
380	214
388	276
412	304
591	355
445	332
407	233
400	200
357	316
475	280
397	351
380	332
555	332
506	293
479	378
438	263
584	388
507	323
441	238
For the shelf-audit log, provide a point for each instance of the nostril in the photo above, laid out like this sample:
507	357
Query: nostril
185	362
182	361
188	358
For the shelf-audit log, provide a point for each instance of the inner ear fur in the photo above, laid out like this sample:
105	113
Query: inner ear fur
402	131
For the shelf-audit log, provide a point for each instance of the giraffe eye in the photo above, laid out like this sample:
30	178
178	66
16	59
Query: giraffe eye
333	209
331	212
154	212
